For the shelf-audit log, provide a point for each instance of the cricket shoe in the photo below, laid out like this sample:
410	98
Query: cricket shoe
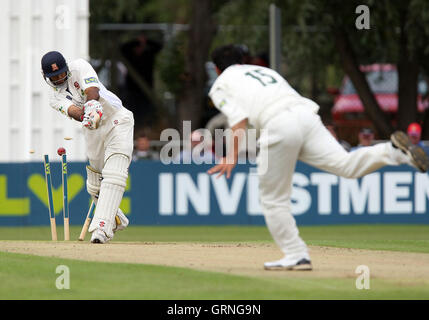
121	221
417	156
290	262
99	236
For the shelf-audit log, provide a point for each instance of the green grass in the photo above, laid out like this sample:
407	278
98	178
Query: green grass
32	277
408	238
28	277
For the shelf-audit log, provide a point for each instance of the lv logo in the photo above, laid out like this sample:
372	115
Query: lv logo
36	183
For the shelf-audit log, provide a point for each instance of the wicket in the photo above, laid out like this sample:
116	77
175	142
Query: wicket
51	200
65	198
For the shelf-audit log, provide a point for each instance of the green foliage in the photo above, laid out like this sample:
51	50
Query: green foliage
171	64
306	48
111	11
167	11
130	11
319	19
310	58
243	22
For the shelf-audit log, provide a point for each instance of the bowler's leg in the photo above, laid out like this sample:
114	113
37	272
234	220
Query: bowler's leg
320	149
276	166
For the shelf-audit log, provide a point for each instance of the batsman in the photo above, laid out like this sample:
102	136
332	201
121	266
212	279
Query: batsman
108	129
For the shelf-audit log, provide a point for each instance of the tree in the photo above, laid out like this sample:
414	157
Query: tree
320	38
105	45
396	35
320	42
200	35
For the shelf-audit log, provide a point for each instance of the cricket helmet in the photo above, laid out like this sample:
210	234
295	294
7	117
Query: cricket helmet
53	64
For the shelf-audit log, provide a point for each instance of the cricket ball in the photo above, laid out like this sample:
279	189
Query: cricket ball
61	151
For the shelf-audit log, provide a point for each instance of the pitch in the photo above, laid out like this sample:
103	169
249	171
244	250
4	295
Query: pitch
216	263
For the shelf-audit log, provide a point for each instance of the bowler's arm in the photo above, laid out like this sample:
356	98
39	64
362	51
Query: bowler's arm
228	163
238	131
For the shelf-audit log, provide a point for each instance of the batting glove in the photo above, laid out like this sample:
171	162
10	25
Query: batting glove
93	112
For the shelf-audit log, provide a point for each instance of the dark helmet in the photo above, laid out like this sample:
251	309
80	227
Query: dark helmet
244	49
53	64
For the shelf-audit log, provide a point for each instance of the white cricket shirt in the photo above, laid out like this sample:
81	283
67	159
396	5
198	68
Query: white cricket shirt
82	77
254	92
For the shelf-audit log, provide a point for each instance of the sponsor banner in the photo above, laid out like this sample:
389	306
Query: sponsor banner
158	194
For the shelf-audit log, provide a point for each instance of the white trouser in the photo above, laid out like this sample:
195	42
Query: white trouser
303	136
115	173
114	136
109	150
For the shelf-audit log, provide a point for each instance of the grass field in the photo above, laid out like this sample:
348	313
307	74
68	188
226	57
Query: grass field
28	276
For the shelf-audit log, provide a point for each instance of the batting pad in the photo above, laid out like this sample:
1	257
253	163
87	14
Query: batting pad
121	221
93	181
115	173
